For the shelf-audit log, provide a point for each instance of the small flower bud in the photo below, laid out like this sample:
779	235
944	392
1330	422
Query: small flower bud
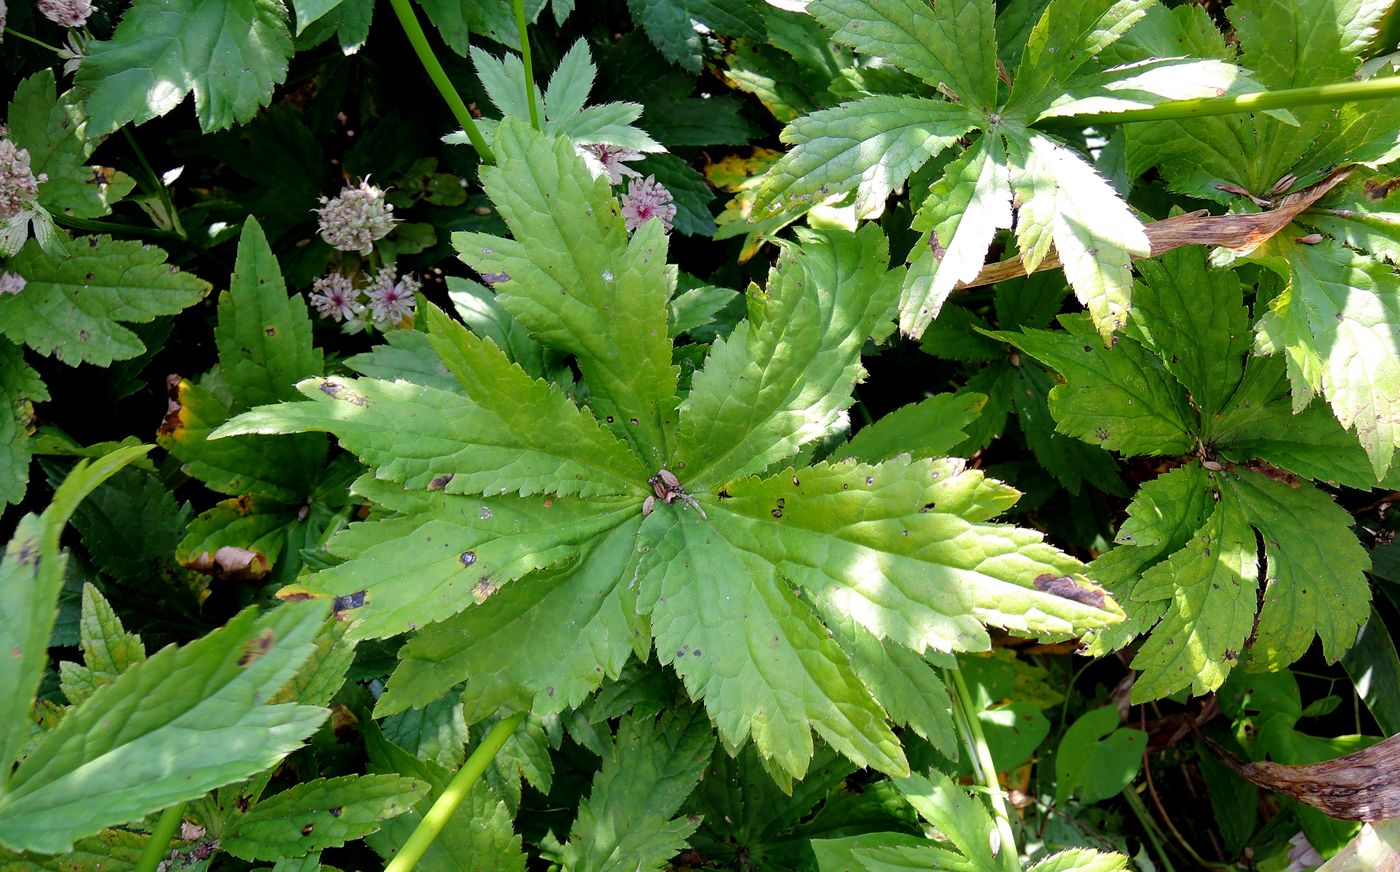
356	218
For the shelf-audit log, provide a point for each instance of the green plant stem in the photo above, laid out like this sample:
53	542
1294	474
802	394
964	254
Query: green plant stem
1149	826
525	58
1288	98
965	714
27	38
456	791
419	40
155	182
164	831
96	225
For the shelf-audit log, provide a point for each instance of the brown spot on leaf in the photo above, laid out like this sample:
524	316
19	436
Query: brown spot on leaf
440	482
257	647
1065	587
338	391
342	604
231	563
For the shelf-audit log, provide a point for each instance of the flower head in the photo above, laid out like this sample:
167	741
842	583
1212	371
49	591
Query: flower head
11	283
391	299
334	297
356	218
2	20
647	200
612	157
66	13
19	187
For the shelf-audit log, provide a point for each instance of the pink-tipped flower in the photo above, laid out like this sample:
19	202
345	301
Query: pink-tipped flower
612	157
391	299
334	297
646	200
66	13
11	283
19	187
356	218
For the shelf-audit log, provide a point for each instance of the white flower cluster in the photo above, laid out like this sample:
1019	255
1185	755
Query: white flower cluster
356	218
388	299
65	13
19	187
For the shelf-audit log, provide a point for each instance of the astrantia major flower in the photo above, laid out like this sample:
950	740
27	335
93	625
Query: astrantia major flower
334	297
19	187
356	218
66	13
645	200
11	283
391	299
612	158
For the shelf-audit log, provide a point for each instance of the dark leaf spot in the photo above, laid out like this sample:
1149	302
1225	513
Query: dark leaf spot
1063	586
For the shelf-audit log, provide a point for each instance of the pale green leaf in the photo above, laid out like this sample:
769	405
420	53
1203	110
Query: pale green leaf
406	355
1341	311
1194	318
1316	581
32	572
504	81
951	43
20	389
871	144
185	721
448	552
755	654
928	428
319	814
508	650
1069	34
108	649
902	549
964	210
323	673
309	11
1212	585
1146	83
577	283
526	437
609	123
73	304
263	335
628	821
53	130
1120	397
1082	860
569	84
1065	200
696	307
783	378
230	53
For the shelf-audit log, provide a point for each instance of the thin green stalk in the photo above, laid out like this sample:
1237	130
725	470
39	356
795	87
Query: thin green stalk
965	715
27	38
525	57
161	835
456	791
419	40
97	225
155	182
1288	98
1149	826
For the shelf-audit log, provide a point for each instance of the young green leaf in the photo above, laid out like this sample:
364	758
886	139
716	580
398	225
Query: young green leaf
108	649
230	54
929	428
20	389
1097	758
319	814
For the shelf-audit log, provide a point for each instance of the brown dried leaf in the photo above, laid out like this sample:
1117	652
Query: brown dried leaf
1364	786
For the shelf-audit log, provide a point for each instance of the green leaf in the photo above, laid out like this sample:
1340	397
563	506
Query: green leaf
131	525
406	355
962	820
1097	758
577	283
1336	323
263	335
20	388
800	681
963	211
1316	580
1068	459
53	130
32	570
309	11
436	732
1069	34
952	43
1372	665
74	304
230	53
872	145
1194	319
667	25
628	820
476	305
319	814
185	721
1065	200
783	378
928	428
1120	397
108	649
1082	860
109	848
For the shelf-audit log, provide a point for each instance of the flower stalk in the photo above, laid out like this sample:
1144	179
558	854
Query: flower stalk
1262	101
419	40
529	65
965	716
161	835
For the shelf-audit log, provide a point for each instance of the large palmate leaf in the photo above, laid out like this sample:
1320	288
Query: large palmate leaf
510	512
875	143
74	304
230	53
1188	558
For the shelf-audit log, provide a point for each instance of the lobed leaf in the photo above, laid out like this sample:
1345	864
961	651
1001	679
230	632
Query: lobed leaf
318	814
928	428
1069	34
108	649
